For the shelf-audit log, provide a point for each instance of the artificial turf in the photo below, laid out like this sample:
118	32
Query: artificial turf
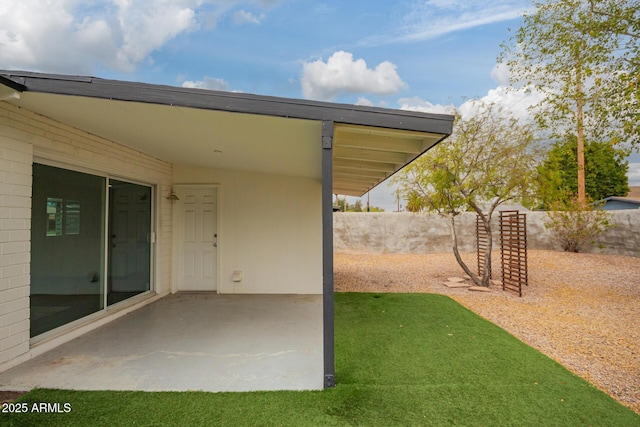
401	359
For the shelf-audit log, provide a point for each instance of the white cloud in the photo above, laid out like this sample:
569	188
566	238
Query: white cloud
70	36
518	102
66	36
42	34
429	19
243	17
324	9
418	104
342	74
501	74
210	83
364	102
432	18
634	172
145	28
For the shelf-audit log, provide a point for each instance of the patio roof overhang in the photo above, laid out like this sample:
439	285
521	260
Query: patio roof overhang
233	130
349	149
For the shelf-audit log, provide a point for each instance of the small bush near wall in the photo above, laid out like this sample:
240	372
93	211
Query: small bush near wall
578	227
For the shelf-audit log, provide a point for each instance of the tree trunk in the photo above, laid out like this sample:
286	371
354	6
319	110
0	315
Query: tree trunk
454	241
582	193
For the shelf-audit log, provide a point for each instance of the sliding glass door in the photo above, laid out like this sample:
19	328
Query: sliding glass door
129	240
80	235
67	247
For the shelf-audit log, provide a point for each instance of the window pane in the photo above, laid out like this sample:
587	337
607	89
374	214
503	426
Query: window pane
54	216
67	247
72	217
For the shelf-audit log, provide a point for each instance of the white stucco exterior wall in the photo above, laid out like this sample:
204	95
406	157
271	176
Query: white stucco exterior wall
269	227
26	137
15	236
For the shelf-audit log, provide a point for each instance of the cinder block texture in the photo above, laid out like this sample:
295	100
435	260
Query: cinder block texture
404	232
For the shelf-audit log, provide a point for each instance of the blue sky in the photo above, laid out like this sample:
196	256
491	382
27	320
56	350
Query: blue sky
425	55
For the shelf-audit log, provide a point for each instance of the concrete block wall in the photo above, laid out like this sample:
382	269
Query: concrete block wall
26	137
15	236
404	232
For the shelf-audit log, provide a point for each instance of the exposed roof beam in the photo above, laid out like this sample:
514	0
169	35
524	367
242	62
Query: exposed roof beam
357	183
370	155
370	130
355	178
350	191
359	172
381	143
363	165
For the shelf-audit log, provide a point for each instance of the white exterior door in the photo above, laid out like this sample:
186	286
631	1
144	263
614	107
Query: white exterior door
196	217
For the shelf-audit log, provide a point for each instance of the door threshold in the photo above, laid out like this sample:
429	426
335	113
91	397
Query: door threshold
197	292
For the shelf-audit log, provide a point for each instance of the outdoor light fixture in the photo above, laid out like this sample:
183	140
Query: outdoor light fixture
173	197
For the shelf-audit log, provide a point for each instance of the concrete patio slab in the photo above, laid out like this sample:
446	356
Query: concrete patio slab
194	341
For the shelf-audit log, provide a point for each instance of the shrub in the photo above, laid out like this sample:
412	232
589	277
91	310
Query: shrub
574	224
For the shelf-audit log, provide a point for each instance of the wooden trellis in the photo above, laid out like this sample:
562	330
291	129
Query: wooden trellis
482	241
513	249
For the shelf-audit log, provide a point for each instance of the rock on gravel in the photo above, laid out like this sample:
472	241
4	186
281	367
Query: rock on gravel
580	309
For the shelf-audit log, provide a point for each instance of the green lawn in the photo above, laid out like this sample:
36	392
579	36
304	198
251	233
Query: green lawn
402	359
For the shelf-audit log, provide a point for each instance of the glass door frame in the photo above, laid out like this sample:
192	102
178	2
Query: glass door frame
107	242
105	255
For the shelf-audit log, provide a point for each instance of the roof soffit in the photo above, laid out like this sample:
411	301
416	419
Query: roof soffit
364	156
236	130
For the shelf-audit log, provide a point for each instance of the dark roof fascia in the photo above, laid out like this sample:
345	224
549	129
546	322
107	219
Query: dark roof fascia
230	101
12	84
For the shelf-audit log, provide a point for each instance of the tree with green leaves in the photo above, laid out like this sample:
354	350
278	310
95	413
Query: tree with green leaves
356	207
489	159
605	172
620	19
582	56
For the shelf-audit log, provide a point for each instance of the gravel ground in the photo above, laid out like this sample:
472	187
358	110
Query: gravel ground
582	310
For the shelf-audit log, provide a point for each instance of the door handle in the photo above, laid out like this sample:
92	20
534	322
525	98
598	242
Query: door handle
215	243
